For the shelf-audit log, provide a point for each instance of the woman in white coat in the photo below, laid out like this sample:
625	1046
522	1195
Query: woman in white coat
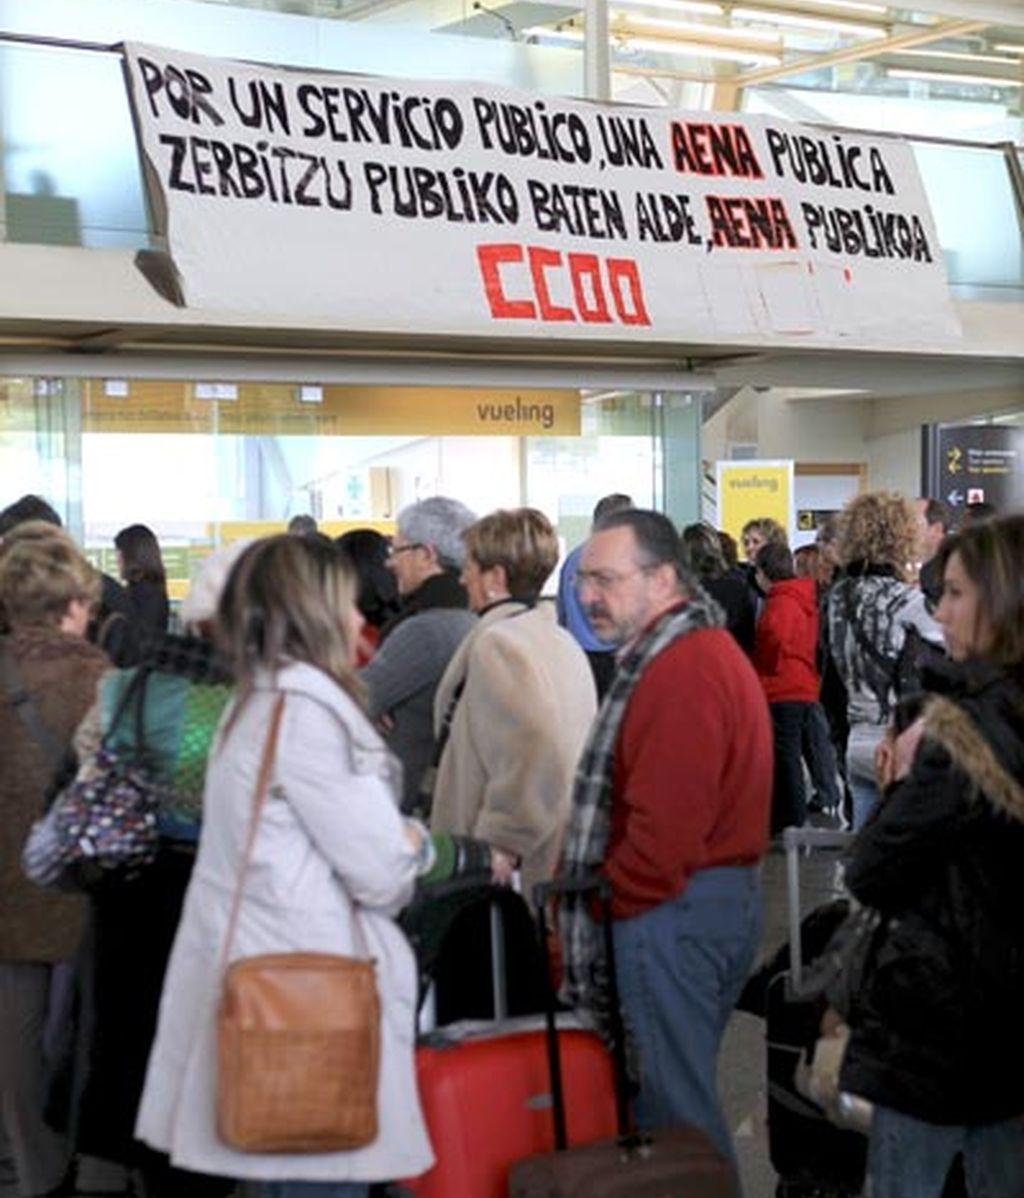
333	861
515	704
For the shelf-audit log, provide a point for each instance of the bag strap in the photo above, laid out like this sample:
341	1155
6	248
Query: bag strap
26	709
259	797
136	689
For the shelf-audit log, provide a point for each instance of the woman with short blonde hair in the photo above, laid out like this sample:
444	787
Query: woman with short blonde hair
515	704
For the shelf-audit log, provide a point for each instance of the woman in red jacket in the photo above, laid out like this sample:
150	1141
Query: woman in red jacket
785	652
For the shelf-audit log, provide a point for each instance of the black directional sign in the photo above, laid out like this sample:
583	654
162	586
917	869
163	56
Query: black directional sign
974	463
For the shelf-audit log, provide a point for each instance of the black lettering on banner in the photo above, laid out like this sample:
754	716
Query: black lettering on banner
275	173
823	162
530	131
666	218
580	211
867	232
187	92
263	107
628	142
463	196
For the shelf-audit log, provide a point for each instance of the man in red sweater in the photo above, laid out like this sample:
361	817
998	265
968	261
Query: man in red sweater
785	657
671	801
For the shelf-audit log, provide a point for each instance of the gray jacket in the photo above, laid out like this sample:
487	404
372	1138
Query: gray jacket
402	678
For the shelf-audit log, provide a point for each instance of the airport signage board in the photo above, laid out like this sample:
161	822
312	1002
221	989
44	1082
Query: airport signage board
974	463
752	490
401	206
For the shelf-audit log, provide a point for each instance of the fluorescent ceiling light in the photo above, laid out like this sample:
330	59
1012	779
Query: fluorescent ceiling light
713	32
702	7
852	5
1009	47
771	16
657	45
946	77
960	56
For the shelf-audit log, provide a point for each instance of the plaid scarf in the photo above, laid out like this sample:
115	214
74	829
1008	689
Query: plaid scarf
584	980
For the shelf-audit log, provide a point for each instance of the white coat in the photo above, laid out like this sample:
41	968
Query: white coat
330	853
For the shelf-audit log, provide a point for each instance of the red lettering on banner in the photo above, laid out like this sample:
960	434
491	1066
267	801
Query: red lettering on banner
490	258
708	148
540	260
598	286
588	266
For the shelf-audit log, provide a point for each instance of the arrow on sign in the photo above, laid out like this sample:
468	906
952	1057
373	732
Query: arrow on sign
955	498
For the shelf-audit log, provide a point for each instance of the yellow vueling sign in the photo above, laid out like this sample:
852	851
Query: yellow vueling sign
752	490
267	409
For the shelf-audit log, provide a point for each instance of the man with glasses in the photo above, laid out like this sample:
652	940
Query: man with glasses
415	647
671	802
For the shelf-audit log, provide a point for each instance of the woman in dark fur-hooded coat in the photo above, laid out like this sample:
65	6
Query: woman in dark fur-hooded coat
937	1037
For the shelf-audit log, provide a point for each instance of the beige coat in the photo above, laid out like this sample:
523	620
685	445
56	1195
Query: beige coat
507	770
330	867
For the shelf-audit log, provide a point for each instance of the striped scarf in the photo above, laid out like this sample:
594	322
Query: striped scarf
583	979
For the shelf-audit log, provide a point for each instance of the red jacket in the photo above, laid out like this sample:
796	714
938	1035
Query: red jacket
692	776
786	643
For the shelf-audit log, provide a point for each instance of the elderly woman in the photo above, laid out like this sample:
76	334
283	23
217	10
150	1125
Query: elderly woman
868	614
415	647
331	862
50	674
515	704
937	1042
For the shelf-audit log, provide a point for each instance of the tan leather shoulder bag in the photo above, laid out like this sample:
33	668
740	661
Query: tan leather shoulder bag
298	1035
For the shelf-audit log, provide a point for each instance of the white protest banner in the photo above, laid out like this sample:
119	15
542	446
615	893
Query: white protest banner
396	205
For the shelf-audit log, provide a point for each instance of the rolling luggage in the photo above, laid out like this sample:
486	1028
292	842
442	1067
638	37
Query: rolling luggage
679	1161
813	1157
486	1092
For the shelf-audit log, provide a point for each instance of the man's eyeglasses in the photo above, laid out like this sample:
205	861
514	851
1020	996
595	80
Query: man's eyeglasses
606	580
395	550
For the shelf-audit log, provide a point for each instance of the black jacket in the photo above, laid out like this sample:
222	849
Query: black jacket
937	1028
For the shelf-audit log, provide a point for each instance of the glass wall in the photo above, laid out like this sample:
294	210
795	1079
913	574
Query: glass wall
206	462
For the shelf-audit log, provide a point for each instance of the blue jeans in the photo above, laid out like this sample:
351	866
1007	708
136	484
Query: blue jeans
865	796
820	755
681	967
908	1158
304	1189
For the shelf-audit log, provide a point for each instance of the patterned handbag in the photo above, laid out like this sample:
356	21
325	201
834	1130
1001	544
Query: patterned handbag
105	820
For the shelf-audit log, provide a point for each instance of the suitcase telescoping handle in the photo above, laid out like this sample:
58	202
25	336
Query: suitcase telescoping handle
596	884
795	839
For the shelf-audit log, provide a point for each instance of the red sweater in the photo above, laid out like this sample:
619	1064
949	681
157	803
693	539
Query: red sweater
786	644
692	777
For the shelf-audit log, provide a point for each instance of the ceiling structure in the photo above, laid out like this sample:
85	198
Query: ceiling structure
971	51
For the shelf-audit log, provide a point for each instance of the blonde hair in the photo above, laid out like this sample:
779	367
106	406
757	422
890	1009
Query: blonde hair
522	540
878	528
42	571
287	599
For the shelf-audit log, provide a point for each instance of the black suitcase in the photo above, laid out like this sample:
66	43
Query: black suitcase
813	1157
671	1161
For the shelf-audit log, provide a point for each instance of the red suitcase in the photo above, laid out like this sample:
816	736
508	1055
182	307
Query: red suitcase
486	1094
672	1162
487	1102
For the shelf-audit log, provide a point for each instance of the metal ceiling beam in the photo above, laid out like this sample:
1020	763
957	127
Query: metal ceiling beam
859	52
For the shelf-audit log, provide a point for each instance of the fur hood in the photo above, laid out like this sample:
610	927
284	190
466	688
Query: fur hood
992	758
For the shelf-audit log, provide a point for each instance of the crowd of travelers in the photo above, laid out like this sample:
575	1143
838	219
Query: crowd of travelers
417	708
